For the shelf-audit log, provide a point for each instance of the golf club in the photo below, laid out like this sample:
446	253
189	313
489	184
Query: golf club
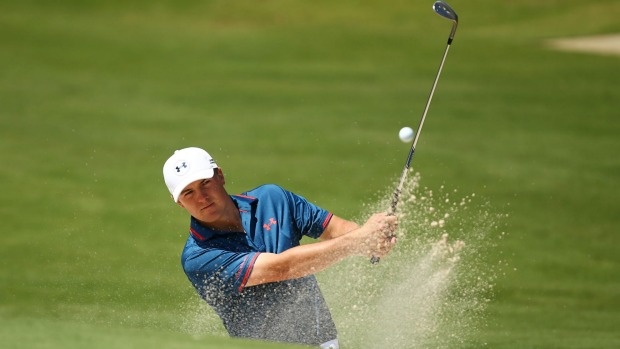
445	11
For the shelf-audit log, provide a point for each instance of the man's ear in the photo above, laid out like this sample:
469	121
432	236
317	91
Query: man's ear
179	203
220	173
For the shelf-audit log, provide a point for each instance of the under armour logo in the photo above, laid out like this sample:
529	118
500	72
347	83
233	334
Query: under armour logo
272	221
183	165
181	168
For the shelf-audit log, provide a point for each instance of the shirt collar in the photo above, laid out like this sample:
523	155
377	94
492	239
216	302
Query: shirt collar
244	204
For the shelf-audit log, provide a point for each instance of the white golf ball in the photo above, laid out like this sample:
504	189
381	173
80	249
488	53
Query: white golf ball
406	134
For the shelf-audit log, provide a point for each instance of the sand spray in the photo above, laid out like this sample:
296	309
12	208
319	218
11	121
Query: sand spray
431	291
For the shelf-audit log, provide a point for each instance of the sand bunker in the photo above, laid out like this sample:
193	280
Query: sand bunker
603	44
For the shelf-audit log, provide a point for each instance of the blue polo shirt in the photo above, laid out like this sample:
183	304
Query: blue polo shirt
219	264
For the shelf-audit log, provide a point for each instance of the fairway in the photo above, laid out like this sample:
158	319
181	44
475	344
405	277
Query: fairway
310	95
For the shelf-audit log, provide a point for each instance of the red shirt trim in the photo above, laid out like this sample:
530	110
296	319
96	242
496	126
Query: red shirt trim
327	219
245	196
246	277
196	235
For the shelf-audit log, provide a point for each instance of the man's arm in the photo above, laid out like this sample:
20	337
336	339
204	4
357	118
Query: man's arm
374	238
337	227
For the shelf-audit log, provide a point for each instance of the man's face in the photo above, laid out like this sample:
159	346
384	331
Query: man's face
206	199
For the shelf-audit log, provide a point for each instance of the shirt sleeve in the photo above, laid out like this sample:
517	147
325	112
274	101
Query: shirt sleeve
225	270
311	220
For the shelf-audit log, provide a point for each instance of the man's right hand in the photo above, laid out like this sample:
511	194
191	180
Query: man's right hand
377	236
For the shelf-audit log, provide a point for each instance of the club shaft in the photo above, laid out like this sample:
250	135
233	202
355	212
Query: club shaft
403	176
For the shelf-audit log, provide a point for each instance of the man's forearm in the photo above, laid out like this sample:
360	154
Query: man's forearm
374	238
301	260
338	227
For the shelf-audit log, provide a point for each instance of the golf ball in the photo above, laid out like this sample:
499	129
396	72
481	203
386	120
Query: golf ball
406	134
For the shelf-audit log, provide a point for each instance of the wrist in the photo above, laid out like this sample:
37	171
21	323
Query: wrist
354	243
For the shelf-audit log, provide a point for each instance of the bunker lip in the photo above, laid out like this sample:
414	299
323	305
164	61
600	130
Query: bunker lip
599	44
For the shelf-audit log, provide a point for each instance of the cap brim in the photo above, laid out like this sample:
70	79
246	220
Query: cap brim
204	174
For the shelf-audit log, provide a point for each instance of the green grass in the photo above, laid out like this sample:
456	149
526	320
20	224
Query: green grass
95	95
35	334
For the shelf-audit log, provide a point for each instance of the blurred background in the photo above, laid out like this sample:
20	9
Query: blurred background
95	95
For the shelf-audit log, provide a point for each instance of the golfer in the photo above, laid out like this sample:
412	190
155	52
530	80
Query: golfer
244	257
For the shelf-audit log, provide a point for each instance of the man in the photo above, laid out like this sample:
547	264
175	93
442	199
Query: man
243	253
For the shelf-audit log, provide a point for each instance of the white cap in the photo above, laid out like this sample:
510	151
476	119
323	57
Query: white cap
186	166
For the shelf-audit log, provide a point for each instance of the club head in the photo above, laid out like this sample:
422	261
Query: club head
445	11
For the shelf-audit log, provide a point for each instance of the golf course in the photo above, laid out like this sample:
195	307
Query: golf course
310	95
